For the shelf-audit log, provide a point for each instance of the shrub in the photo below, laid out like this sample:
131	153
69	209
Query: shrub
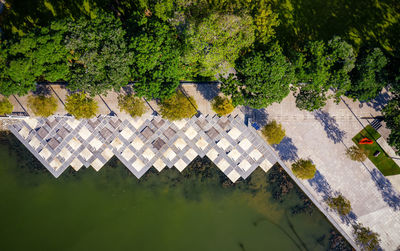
273	132
178	107
367	239
222	106
132	105
340	204
80	106
42	106
304	169
5	106
355	153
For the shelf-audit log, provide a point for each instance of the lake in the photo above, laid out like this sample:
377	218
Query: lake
198	209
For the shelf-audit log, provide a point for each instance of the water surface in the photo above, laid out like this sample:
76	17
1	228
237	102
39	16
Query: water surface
112	210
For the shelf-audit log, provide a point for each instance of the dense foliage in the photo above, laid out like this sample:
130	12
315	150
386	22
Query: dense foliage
156	53
340	204
99	58
263	77
80	106
222	105
304	169
5	106
273	132
42	105
132	105
178	107
37	56
366	238
369	78
322	67
392	118
355	153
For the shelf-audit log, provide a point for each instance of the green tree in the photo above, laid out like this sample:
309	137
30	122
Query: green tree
340	204
132	105
273	132
39	55
369	76
5	106
366	238
99	57
263	77
391	116
178	107
222	106
42	106
80	106
356	153
304	169
213	45
156	53
322	67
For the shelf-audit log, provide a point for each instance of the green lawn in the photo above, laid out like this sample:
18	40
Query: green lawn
383	162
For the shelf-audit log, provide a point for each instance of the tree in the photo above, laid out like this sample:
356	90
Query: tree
42	106
5	106
369	76
213	44
178	107
391	115
340	204
39	55
356	153
156	53
222	105
366	238
273	132
80	106
99	58
322	67
132	105
263	77
304	169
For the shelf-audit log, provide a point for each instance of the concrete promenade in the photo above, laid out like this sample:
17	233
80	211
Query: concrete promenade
322	136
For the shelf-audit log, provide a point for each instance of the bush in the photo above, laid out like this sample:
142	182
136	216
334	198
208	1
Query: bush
178	107
340	204
80	106
367	239
42	106
273	132
304	169
132	105
355	153
222	106
5	106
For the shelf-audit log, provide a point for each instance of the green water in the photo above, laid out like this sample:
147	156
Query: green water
112	210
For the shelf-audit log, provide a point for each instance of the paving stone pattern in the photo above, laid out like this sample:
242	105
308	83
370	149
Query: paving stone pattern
60	142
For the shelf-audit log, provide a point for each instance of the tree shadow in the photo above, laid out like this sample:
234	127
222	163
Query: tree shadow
321	185
330	126
287	151
389	194
379	101
42	90
208	91
259	116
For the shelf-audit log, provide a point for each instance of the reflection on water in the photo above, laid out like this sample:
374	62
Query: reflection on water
198	209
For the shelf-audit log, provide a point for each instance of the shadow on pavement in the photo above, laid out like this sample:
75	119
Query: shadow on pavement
330	126
389	194
208	91
287	151
259	116
379	102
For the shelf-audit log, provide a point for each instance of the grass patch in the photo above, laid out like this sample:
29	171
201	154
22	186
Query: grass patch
383	162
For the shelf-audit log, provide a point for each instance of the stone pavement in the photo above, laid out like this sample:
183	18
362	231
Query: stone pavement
60	142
